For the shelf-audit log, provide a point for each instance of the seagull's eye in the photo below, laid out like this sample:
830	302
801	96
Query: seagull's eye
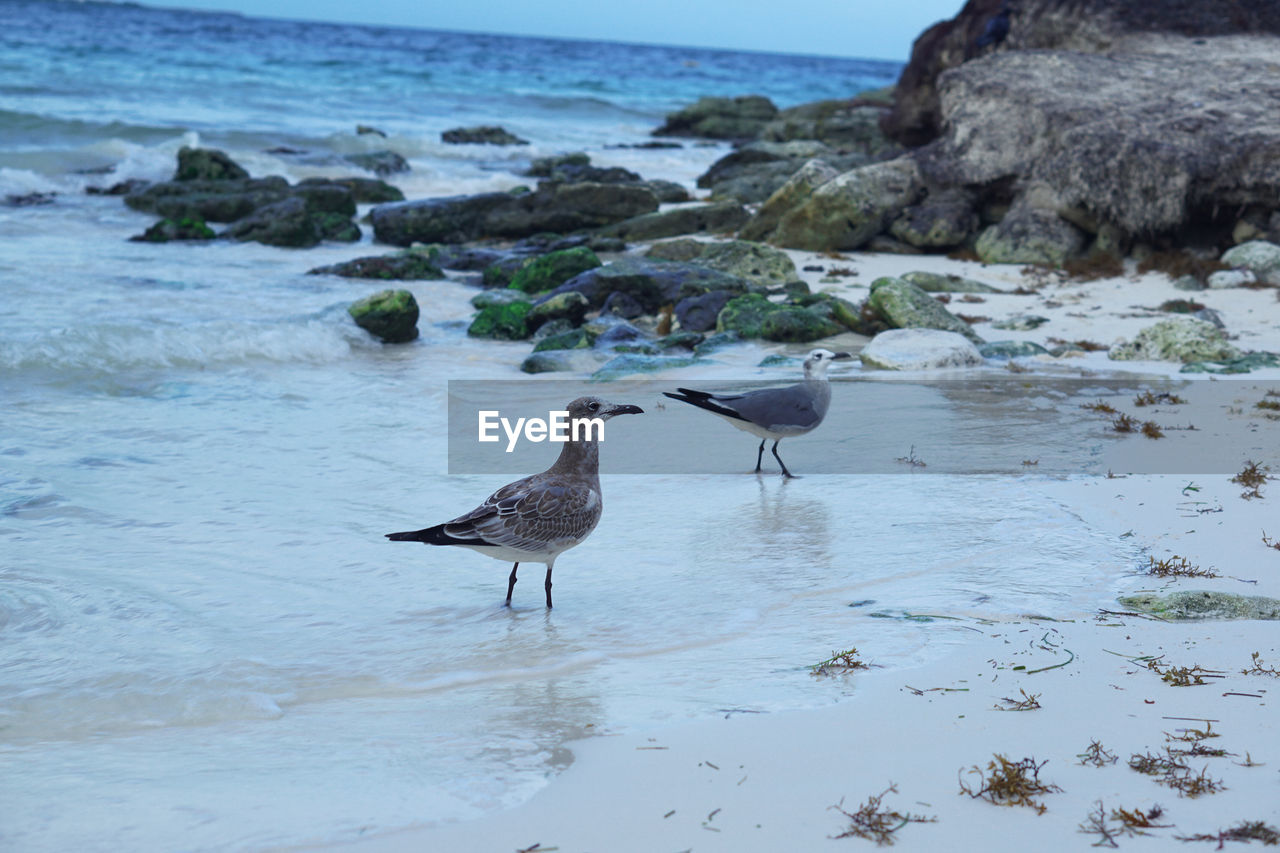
593	406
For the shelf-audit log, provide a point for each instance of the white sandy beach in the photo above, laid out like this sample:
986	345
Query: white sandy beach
767	782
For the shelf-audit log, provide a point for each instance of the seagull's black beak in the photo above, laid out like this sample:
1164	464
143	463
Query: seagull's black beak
841	356
625	409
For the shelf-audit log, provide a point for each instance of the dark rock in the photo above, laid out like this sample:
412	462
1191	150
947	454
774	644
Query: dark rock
391	315
468	259
1030	235
575	339
504	322
680	340
326	197
29	199
451	219
651	283
367	130
499	296
133	185
757	263
169	229
211	201
622	305
720	118
618	334
563	361
482	135
285	223
363	190
940	221
406	267
575	173
542	167
554	269
718	217
568	207
668	192
698	313
207	164
379	162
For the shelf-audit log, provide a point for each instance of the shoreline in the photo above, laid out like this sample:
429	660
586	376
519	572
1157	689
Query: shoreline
768	781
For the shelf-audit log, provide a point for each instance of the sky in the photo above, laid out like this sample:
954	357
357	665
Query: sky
871	29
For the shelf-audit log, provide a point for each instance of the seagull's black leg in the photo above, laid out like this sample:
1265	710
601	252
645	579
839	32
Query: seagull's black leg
511	583
785	472
760	456
548	586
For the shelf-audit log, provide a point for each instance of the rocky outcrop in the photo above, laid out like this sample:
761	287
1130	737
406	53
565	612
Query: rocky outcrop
553	207
553	269
849	210
207	164
797	189
842	124
483	135
391	315
721	118
716	218
292	223
651	283
755	262
1082	26
753	172
403	267
381	163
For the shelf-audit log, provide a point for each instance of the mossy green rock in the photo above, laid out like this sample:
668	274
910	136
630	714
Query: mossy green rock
504	322
576	339
933	282
500	274
570	305
391	315
902	305
500	296
553	269
1183	339
794	324
407	267
207	164
186	228
1202	604
744	315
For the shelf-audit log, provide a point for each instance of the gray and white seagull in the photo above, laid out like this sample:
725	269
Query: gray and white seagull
774	413
536	519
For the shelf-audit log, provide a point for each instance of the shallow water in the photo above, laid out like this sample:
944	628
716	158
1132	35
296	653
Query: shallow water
207	642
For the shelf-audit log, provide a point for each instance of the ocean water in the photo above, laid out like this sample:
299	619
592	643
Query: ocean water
205	641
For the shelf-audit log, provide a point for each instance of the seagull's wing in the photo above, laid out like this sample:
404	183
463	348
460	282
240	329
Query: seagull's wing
530	514
795	407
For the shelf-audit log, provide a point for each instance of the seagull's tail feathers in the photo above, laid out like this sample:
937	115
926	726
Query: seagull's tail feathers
703	400
432	536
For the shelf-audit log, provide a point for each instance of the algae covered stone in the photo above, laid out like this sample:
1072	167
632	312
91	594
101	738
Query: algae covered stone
553	269
1203	604
406	267
744	315
904	306
504	322
796	324
1183	339
391	315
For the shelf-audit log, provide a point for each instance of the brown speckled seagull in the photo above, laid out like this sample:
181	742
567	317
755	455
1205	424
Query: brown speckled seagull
536	519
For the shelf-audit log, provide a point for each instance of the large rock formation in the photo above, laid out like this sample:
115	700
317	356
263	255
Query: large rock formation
1086	26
